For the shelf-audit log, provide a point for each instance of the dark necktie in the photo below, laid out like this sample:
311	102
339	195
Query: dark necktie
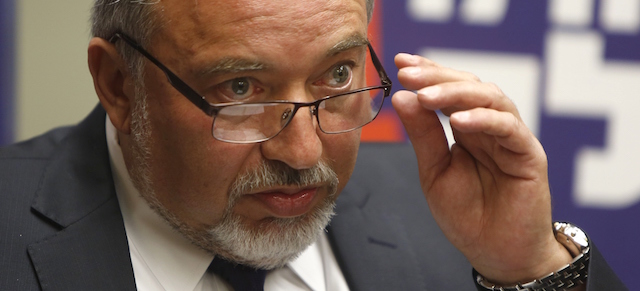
241	278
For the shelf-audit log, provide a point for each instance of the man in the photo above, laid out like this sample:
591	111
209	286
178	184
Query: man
216	141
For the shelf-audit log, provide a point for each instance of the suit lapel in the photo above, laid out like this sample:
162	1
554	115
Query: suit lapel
371	245
76	193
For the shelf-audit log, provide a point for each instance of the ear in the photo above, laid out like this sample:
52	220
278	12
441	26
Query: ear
112	81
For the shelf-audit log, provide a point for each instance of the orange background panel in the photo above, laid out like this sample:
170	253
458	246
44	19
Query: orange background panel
387	126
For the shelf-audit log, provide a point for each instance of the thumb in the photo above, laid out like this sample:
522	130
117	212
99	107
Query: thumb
426	134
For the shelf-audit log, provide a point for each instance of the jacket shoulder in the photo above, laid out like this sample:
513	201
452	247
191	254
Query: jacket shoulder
39	147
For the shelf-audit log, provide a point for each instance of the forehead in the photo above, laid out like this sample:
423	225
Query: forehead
195	26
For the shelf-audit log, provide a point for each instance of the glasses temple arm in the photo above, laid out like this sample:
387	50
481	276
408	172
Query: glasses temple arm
378	65
176	82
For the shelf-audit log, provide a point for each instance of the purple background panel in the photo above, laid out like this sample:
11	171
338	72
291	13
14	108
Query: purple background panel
523	31
7	79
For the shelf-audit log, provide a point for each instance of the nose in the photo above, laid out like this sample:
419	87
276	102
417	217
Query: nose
298	145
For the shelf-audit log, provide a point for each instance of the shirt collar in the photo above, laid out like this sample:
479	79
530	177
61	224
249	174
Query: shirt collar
183	266
309	266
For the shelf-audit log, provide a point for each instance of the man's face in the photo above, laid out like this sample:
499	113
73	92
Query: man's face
244	50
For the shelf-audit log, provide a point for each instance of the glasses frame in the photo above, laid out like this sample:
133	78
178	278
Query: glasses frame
212	109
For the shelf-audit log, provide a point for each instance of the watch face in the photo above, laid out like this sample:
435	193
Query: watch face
571	237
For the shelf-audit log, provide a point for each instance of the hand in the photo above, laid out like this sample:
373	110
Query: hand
489	193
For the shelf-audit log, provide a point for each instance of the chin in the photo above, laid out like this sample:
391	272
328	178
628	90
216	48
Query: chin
271	243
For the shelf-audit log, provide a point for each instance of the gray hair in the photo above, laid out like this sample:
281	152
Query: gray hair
131	17
136	19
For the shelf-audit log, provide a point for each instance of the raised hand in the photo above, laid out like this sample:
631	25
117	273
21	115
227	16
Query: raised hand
489	193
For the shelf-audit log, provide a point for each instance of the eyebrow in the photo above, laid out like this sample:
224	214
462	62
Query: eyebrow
353	41
232	65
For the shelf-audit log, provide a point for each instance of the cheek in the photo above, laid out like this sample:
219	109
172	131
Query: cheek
341	151
191	171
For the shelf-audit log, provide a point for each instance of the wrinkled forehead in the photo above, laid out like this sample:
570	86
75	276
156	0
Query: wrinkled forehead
205	21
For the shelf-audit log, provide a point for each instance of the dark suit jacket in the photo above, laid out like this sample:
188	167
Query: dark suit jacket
61	226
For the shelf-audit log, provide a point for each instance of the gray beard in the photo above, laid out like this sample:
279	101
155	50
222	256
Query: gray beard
275	241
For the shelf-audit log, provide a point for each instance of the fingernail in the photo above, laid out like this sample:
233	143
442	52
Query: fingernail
430	92
404	55
461	116
412	71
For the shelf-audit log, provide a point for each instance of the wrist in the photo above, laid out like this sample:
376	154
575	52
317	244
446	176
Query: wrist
570	274
532	260
554	258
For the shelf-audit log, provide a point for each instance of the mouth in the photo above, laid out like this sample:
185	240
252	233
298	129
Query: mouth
288	202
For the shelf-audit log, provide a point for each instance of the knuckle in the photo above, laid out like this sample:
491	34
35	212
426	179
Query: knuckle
469	76
494	88
473	77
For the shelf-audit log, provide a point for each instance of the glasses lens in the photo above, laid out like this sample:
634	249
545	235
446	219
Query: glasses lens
251	122
348	112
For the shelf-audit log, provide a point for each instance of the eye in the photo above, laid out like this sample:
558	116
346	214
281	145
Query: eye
341	74
238	89
338	76
240	86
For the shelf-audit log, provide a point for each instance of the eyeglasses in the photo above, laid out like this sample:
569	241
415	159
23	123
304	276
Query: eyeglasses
253	122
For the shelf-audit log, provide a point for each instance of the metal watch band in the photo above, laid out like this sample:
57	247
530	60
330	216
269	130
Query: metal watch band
573	274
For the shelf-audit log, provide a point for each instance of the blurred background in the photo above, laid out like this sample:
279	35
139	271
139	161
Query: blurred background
571	66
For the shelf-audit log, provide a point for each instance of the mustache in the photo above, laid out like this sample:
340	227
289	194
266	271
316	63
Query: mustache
276	173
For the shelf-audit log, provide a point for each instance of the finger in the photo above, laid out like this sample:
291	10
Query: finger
455	96
508	130
416	72
425	132
510	146
405	60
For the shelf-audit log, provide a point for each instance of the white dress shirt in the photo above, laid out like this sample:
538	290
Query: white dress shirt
163	259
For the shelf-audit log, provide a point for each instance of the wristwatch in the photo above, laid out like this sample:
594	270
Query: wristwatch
571	275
